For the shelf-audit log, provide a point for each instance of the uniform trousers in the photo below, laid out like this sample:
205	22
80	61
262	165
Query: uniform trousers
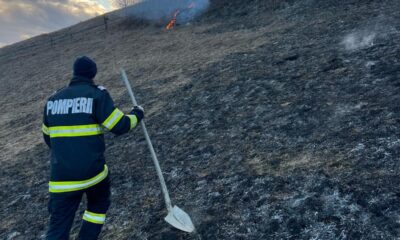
62	208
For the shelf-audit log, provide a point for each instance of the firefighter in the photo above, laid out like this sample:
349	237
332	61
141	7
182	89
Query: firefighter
75	118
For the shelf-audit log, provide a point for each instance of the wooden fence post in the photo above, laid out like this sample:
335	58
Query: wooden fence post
106	22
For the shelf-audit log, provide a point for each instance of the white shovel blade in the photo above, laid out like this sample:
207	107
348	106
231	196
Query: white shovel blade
180	220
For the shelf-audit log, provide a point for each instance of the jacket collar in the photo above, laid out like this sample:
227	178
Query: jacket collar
76	80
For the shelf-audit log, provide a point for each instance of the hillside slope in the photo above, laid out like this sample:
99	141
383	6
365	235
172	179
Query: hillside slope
271	121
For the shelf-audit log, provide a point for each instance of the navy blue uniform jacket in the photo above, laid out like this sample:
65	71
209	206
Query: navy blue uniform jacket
74	121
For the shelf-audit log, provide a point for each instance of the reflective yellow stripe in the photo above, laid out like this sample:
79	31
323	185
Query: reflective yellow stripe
58	187
133	119
45	129
113	119
94	217
75	131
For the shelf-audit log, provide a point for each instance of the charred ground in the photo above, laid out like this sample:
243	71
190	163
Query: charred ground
271	121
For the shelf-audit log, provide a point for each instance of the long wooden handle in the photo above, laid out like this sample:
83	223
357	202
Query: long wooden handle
149	144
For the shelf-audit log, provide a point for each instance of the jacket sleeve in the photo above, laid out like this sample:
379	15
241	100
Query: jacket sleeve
45	128
111	117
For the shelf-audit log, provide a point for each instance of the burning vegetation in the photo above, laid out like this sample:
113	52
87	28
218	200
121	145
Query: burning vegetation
170	12
171	24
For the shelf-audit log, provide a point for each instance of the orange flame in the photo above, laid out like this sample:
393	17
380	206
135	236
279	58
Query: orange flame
172	23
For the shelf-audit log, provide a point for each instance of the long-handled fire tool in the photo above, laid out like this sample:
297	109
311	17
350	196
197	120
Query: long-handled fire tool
176	216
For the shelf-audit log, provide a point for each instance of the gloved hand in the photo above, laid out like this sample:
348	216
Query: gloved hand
138	111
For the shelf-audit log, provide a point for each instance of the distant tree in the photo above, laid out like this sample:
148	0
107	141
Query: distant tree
124	3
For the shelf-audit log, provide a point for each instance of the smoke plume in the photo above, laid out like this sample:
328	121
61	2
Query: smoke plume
354	41
163	10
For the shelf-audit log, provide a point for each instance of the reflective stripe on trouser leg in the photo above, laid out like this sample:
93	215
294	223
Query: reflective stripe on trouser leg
98	202
97	218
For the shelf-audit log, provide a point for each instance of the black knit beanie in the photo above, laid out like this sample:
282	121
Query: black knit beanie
85	67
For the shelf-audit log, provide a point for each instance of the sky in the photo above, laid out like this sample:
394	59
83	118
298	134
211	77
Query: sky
23	19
